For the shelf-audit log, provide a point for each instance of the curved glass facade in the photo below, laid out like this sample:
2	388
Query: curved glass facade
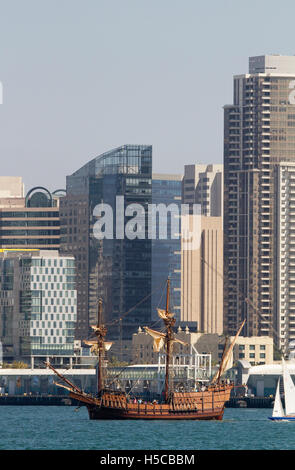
117	270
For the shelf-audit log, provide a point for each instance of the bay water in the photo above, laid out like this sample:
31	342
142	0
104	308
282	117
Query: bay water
63	428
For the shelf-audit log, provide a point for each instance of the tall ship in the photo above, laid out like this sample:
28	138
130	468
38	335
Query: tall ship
201	403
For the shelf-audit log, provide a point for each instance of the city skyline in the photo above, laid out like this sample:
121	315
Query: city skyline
78	80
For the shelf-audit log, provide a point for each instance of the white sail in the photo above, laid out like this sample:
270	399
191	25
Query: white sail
278	410
289	388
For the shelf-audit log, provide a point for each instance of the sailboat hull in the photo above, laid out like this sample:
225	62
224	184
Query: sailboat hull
282	418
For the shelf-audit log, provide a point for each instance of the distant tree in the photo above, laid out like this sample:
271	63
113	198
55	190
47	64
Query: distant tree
15	365
114	362
277	353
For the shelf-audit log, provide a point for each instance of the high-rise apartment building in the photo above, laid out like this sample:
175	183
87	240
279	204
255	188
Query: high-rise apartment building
38	304
259	135
285	261
203	184
166	252
117	268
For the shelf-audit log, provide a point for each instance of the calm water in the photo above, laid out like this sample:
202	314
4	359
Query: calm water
52	428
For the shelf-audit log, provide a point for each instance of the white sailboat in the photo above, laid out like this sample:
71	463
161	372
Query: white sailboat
289	388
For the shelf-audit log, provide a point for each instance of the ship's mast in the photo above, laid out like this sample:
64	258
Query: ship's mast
100	333
169	323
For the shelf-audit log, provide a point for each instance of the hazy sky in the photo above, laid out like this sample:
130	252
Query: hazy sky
83	77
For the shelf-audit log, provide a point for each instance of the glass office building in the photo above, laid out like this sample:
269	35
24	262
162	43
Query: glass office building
166	253
116	269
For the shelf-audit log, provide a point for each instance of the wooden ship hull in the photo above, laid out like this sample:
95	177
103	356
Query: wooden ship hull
207	405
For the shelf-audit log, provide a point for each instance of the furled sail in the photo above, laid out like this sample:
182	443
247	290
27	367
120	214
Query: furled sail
289	388
94	343
107	345
159	339
227	360
90	342
95	327
164	315
278	410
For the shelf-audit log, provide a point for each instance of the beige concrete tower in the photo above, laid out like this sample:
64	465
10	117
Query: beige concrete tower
202	275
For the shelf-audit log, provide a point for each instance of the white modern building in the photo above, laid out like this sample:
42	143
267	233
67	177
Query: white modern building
38	302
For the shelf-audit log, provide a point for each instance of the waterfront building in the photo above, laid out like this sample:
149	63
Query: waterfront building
202	275
261	380
143	345
117	268
37	304
259	135
203	184
166	190
255	350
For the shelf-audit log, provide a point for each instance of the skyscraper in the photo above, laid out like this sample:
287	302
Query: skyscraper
203	184
117	269
166	257
259	135
202	264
